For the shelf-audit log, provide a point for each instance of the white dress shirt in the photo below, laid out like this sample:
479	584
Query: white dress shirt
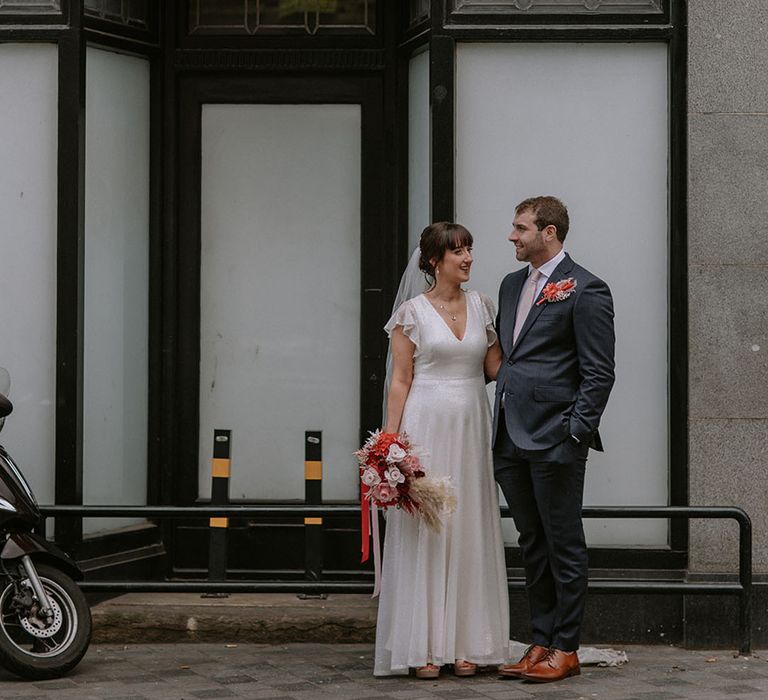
546	270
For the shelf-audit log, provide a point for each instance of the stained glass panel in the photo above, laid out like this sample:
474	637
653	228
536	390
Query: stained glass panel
418	11
131	13
29	7
137	10
113	9
557	6
282	16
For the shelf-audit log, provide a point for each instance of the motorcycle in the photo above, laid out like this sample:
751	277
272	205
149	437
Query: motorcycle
45	620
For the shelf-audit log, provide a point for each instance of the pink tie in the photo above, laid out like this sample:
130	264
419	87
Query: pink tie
526	302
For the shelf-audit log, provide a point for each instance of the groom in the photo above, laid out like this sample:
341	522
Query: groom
555	325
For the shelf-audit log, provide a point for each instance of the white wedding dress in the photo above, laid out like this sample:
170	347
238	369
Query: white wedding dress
444	595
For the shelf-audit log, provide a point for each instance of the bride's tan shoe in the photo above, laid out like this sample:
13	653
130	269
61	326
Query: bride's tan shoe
464	668
427	672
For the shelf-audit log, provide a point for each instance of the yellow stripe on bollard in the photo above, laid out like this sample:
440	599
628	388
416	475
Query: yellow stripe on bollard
220	467
313	471
313	521
218	522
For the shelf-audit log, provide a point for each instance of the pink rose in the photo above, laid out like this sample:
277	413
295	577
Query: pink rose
395	454
370	477
385	493
394	476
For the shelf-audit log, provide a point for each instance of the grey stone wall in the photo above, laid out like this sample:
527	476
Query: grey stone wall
728	273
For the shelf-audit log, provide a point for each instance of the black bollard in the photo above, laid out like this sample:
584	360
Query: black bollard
313	495
217	541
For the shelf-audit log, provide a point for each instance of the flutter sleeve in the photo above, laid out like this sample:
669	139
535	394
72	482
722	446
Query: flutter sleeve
405	316
488	311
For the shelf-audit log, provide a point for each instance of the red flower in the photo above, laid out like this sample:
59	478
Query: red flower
557	291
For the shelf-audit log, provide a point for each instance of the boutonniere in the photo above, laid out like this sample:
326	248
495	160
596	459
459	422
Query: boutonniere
557	291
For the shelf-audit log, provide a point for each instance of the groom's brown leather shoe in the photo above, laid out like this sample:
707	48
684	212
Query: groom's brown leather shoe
533	654
555	666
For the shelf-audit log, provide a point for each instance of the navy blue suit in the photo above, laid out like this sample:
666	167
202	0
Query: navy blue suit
551	390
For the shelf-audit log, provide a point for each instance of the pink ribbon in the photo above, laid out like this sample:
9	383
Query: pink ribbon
369	527
365	520
376	551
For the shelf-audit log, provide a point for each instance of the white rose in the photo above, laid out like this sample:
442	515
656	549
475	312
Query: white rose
396	454
370	477
394	476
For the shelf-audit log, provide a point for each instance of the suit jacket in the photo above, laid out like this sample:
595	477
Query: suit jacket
555	380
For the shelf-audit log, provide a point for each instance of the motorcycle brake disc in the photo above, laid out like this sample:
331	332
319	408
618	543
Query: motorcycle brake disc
44	632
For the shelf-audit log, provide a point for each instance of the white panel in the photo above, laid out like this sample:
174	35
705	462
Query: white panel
280	294
587	123
28	124
419	143
116	282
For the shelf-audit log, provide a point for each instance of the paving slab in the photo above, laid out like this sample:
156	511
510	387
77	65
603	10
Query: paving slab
316	671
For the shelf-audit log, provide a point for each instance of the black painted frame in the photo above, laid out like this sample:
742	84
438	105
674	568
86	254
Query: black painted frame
376	243
130	41
442	42
66	30
70	274
380	61
71	35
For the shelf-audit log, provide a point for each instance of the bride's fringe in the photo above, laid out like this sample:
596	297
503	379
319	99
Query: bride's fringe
435	499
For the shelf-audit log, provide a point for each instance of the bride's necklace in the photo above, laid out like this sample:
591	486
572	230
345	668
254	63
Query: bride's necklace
451	316
447	312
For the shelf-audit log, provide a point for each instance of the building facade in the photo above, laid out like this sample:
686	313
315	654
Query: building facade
207	207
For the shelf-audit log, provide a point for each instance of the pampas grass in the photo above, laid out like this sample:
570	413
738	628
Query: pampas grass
435	499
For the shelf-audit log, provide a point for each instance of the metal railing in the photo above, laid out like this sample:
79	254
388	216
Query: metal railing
742	589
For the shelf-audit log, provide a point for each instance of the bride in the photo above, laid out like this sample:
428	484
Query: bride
444	596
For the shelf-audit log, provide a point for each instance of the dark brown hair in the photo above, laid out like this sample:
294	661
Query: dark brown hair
548	211
436	239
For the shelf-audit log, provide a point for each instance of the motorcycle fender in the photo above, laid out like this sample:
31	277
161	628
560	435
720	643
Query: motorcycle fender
20	543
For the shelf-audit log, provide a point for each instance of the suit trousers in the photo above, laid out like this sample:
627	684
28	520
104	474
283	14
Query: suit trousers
544	490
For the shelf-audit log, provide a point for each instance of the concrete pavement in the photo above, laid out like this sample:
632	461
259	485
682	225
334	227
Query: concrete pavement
192	670
180	646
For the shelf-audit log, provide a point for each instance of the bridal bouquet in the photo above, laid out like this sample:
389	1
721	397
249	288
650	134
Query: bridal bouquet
392	475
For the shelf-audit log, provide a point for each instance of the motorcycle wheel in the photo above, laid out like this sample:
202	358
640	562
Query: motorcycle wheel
38	653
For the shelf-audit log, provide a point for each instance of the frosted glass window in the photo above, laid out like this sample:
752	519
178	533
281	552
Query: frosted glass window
280	294
588	123
418	148
28	162
116	283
